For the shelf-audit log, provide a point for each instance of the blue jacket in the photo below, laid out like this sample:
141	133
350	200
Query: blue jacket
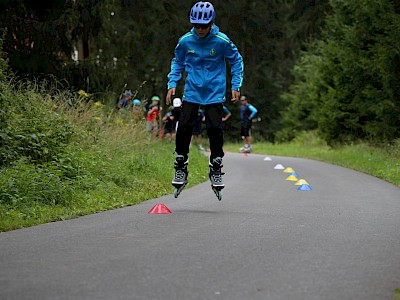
247	112
203	60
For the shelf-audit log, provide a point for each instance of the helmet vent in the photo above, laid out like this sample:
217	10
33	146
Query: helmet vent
202	13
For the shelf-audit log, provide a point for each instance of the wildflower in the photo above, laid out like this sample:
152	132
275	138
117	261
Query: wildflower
83	93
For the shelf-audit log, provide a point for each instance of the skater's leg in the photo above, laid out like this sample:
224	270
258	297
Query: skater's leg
213	114
182	141
250	139
185	128
215	132
246	134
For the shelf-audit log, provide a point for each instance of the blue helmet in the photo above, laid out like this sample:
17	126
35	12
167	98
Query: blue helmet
202	13
128	93
136	102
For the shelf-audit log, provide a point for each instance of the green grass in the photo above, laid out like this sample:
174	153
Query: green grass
396	294
108	178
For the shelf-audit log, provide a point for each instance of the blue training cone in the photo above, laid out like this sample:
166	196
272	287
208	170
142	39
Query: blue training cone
304	187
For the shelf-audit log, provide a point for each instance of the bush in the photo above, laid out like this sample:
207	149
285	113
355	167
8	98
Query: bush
26	184
30	127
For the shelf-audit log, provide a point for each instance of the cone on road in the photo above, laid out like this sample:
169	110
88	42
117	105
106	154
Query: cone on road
267	158
279	167
160	209
294	174
300	182
244	154
288	170
304	187
291	178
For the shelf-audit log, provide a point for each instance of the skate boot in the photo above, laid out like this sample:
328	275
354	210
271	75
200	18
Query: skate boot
217	184
244	149
181	173
248	149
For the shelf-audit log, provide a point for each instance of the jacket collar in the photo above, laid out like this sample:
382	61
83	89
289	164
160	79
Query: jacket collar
214	31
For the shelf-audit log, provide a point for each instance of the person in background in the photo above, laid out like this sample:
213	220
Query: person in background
247	113
169	129
176	111
171	119
227	114
198	130
137	110
125	100
152	116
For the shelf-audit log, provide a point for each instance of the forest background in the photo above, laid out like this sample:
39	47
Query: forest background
326	66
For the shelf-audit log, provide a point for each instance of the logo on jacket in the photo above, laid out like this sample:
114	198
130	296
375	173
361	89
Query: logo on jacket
213	52
190	51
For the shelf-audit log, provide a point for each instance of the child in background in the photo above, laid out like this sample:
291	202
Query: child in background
152	116
169	125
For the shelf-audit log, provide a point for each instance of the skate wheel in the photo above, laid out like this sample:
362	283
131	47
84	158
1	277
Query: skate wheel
176	193
218	193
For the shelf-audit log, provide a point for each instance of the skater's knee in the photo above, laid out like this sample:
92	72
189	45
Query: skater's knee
214	131
186	129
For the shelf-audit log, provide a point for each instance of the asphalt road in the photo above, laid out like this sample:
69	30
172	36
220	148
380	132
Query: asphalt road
264	240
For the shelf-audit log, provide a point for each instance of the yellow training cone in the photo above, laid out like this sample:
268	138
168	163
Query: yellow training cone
301	182
288	170
292	178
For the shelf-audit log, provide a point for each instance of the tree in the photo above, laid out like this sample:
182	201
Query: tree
356	93
40	39
36	39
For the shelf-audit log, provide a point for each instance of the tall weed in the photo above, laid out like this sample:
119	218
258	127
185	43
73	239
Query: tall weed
27	184
30	127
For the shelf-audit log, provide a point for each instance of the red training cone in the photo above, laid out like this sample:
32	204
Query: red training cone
160	209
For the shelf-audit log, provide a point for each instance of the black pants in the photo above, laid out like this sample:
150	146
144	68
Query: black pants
213	115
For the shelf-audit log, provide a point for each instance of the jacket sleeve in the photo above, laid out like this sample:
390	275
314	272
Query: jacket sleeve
253	111
177	66
237	67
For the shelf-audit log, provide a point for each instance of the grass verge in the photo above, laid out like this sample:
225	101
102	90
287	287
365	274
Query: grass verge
104	177
396	294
